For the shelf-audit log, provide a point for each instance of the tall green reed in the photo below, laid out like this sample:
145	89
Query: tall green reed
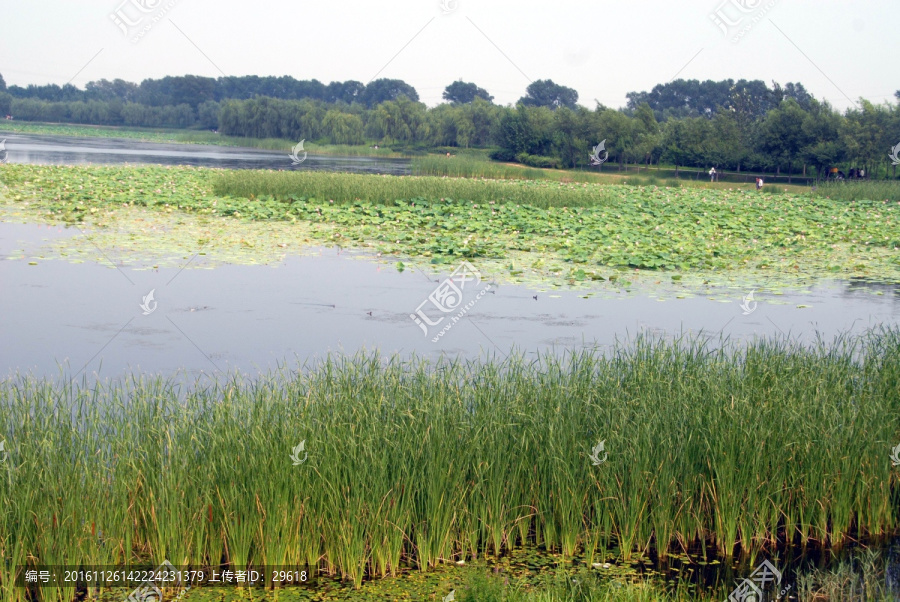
411	463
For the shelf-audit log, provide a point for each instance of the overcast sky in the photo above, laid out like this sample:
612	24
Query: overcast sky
604	49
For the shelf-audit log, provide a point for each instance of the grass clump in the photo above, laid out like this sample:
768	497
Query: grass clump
346	188
865	190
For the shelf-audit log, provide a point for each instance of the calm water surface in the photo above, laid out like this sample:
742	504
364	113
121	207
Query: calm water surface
84	316
68	150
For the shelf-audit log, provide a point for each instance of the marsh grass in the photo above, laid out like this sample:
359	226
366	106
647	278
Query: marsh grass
347	188
477	165
860	576
579	586
866	190
414	463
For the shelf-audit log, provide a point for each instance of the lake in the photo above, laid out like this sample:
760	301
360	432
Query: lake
248	318
69	150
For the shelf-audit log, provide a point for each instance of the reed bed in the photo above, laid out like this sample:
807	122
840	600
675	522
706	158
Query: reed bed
347	188
478	166
865	190
412	464
473	166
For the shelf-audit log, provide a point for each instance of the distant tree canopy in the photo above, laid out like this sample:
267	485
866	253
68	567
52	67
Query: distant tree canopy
383	90
194	90
460	92
742	125
693	98
546	93
5	98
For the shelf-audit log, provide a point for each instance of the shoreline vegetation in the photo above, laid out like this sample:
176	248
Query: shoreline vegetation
475	163
730	125
409	464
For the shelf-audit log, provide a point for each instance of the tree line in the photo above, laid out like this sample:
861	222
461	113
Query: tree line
733	125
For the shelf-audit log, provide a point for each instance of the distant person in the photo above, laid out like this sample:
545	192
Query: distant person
841	175
712	174
862	173
448	155
759	183
852	172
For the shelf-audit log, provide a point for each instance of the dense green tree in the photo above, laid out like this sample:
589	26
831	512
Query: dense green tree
781	135
693	98
461	92
49	92
191	90
401	120
726	148
347	92
568	141
868	134
683	98
683	142
546	93
484	118
208	115
822	127
383	90
646	134
515	132
110	90
799	94
342	128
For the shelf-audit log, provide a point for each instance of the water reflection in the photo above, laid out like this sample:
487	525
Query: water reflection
67	150
253	317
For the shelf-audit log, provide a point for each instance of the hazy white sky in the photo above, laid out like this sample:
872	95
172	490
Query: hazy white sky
603	49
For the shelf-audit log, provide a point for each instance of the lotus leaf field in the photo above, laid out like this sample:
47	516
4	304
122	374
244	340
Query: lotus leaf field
542	231
711	451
